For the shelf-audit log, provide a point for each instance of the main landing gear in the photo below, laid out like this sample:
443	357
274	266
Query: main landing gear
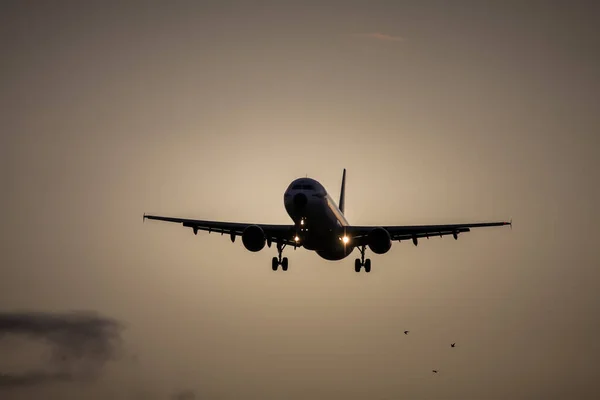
361	262
277	261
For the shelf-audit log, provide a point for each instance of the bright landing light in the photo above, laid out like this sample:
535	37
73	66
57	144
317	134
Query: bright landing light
296	238
345	239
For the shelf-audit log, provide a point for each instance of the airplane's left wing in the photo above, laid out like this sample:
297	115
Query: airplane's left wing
359	234
283	234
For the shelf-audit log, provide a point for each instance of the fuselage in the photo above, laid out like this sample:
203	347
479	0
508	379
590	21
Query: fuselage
318	219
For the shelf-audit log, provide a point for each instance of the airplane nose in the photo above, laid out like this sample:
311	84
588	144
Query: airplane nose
300	200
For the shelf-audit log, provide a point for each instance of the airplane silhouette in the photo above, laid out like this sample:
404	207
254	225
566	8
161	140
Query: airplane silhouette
319	225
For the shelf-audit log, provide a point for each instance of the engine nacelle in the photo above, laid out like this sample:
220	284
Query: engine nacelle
379	241
254	238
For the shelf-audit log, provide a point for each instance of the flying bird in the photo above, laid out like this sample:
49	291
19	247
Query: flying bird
406	332
453	345
435	371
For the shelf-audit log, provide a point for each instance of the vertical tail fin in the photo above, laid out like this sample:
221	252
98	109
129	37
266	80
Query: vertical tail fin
342	202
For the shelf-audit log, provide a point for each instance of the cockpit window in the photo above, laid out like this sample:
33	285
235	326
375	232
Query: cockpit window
305	187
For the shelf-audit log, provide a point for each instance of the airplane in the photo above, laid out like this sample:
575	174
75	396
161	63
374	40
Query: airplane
319	225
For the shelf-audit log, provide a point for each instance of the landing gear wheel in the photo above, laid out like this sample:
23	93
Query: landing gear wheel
284	264
277	261
368	265
361	262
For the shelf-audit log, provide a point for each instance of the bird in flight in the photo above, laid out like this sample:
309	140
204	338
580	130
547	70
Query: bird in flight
435	371
453	345
406	332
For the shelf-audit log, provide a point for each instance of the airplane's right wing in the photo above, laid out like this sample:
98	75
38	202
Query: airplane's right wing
283	234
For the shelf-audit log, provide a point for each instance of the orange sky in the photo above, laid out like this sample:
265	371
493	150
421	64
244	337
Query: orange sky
208	111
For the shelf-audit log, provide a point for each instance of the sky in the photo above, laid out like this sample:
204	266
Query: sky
441	112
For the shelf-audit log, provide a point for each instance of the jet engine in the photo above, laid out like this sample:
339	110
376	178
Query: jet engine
254	238
379	241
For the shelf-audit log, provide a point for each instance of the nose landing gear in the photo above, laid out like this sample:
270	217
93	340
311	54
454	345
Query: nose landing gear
361	262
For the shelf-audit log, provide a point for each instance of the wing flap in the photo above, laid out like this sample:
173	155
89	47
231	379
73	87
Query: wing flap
428	234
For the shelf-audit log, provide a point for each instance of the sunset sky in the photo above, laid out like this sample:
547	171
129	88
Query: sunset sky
441	112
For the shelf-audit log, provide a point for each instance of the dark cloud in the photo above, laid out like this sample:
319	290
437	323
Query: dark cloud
32	378
80	342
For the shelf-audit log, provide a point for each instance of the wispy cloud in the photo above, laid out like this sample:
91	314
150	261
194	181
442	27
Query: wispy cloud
80	342
382	37
184	395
